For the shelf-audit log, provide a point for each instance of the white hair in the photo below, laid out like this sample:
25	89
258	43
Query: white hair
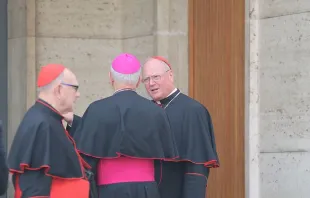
128	79
59	79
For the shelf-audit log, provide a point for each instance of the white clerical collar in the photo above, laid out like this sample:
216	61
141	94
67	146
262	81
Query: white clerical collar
175	89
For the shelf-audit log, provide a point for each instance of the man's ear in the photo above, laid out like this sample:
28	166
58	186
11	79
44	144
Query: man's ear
111	78
57	90
139	81
171	76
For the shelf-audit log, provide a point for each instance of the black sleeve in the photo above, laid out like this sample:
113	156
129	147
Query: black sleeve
4	172
35	183
71	129
195	180
92	162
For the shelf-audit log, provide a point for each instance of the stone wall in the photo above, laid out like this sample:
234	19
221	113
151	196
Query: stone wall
279	85
86	35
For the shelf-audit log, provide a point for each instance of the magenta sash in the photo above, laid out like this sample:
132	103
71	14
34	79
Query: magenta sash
125	169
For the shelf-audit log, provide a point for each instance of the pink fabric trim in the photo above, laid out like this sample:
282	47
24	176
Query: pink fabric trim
124	169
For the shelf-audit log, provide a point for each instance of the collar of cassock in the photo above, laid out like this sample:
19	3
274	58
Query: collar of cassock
166	100
47	108
122	90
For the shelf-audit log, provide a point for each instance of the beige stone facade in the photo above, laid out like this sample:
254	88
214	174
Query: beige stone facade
85	36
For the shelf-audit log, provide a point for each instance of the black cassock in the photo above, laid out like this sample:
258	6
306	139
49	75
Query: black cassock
42	153
124	124
191	124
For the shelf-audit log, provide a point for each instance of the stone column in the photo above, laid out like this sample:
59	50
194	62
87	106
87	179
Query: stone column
280	97
252	141
21	60
172	37
21	63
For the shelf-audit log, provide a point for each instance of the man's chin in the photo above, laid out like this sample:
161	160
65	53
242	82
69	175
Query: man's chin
156	97
69	109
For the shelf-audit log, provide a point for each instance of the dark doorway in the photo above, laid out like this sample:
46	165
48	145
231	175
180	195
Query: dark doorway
4	68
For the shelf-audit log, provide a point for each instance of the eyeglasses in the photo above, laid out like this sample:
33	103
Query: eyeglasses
154	78
76	87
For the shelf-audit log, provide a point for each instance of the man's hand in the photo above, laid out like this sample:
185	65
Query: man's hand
68	117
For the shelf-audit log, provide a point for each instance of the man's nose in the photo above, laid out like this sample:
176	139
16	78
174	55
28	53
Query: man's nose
152	82
78	94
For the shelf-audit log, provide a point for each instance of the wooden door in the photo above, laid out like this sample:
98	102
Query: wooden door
216	79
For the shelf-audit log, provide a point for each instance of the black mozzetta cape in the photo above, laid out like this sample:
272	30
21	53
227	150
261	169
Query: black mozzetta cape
125	124
41	143
191	124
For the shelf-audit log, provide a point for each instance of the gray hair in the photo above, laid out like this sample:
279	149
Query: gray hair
128	79
59	79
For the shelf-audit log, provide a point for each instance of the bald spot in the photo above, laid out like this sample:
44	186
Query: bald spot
154	67
69	77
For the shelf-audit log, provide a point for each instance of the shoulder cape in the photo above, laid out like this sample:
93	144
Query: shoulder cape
41	142
192	126
125	124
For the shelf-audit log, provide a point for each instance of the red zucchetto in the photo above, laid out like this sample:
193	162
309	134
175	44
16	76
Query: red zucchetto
49	73
163	60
